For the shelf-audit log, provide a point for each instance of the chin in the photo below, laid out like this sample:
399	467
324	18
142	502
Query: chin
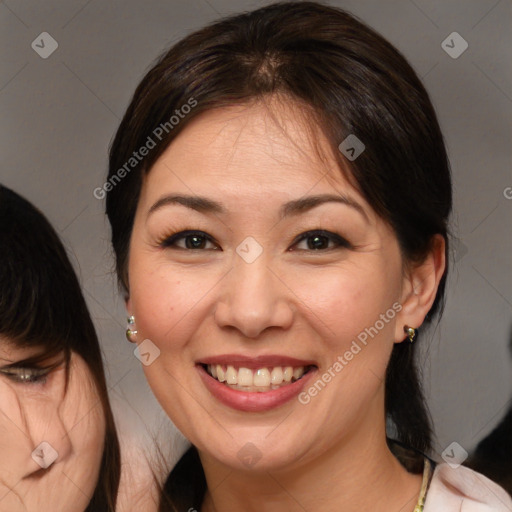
255	454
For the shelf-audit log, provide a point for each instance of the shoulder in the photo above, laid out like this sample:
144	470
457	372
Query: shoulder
464	489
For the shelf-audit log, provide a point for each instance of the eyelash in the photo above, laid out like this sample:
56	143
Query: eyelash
25	375
170	241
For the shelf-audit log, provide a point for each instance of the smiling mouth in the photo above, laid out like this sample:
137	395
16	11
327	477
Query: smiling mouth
256	380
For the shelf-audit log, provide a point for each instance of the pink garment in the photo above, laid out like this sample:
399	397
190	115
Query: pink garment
464	490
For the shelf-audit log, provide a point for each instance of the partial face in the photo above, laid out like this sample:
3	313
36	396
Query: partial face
51	442
282	275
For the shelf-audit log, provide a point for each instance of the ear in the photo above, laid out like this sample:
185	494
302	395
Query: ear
128	305
419	288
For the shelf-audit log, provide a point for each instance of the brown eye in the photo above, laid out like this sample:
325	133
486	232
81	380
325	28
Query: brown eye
320	240
191	240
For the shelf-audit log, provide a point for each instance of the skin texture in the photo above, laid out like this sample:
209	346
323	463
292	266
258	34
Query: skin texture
292	300
72	423
137	489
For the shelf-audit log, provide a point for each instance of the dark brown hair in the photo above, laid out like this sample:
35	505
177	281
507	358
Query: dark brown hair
355	82
42	306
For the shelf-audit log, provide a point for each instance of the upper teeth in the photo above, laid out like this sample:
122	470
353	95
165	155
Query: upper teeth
261	377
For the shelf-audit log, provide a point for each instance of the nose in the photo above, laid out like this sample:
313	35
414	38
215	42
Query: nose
48	432
253	298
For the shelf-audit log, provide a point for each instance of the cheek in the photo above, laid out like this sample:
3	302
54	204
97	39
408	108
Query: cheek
357	307
90	432
87	439
165	301
343	303
13	440
82	415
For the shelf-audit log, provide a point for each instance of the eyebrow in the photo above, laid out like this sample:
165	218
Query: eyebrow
295	207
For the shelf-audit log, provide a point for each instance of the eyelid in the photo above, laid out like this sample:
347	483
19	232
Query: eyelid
339	240
28	374
25	375
168	241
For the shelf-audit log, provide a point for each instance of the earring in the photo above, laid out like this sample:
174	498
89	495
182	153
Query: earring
129	331
411	332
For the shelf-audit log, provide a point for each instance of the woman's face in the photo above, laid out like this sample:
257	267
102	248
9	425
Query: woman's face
51	441
269	264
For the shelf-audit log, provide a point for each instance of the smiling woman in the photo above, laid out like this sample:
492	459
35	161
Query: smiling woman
286	240
58	444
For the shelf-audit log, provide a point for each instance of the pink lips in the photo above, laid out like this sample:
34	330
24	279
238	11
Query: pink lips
258	401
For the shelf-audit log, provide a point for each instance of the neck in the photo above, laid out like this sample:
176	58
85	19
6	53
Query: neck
355	474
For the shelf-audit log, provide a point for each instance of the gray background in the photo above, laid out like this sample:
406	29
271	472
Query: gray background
59	114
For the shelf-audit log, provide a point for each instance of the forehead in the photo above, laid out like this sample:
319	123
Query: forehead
269	145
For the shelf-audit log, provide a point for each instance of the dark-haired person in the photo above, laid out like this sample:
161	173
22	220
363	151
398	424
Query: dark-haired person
281	247
58	445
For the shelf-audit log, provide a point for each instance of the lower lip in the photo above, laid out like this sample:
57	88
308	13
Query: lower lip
255	401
